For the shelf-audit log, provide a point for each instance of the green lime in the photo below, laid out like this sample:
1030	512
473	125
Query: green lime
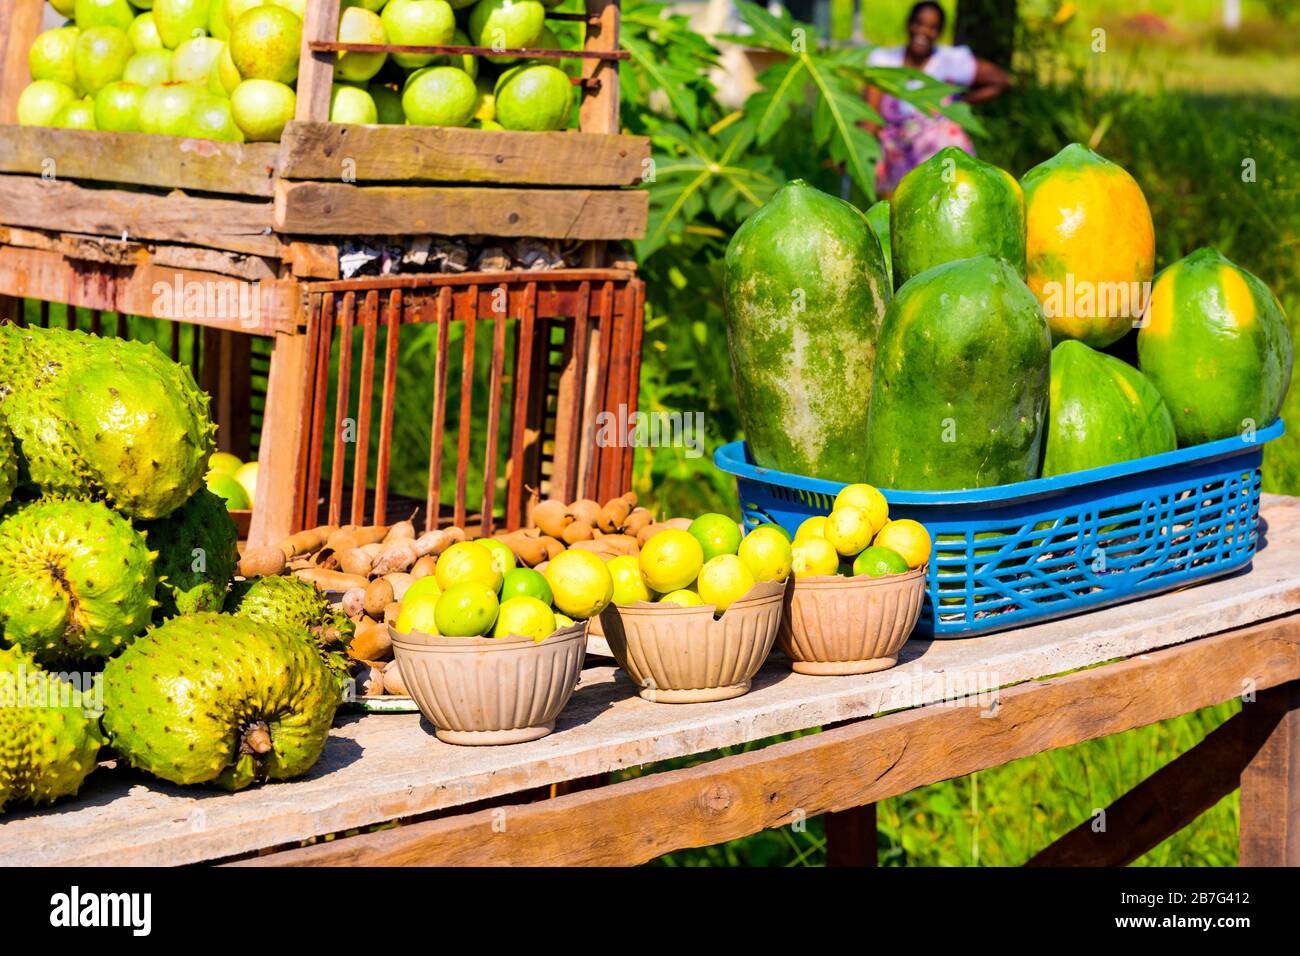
877	562
422	586
525	582
468	609
717	534
775	527
503	559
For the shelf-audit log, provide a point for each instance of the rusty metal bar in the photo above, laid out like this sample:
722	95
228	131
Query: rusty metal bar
465	424
341	409
338	46
433	502
365	402
393	316
320	398
494	412
519	417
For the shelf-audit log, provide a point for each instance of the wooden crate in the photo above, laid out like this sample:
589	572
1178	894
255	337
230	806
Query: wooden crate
522	417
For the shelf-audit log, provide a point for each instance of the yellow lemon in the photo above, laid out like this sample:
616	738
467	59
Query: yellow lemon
867	498
422	586
526	617
814	556
503	559
629	582
580	582
724	580
671	560
766	552
416	614
849	529
814	527
682	597
909	538
467	561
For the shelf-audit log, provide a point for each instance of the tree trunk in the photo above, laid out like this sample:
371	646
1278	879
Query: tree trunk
988	27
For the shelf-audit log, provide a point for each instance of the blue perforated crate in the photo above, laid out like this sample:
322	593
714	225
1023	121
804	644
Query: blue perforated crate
1035	550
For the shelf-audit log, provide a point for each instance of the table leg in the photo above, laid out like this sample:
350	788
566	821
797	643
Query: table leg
851	836
1270	783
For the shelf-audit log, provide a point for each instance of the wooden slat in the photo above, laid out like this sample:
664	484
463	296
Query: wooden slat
862	762
393	319
599	374
347	316
283	424
320	396
316	67
313	408
327	208
433	501
599	110
232	224
1163	803
519	424
570	402
1270	782
637	319
851	837
480	278
492	438
365	402
465	422
139	159
435	154
20	23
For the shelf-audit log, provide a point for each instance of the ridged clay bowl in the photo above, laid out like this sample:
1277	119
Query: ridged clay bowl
681	655
850	625
499	690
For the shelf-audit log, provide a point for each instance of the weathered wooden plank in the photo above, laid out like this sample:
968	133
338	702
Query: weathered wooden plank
1270	782
231	224
845	767
140	159
316	67
283	423
312	260
332	151
20	22
322	208
387	767
599	110
114	251
1162	804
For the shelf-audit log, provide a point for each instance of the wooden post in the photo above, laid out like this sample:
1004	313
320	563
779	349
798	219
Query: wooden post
20	22
316	70
1270	783
282	423
851	837
599	110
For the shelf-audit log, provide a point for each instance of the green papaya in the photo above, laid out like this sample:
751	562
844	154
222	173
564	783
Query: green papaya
1101	411
961	376
878	218
806	288
1214	341
954	206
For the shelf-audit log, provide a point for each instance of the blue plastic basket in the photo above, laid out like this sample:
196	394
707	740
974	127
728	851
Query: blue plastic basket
1035	550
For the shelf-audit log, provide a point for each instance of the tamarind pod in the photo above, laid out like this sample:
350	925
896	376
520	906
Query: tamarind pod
396	557
355	561
266	561
328	580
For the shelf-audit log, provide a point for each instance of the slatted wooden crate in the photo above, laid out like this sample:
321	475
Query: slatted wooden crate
504	400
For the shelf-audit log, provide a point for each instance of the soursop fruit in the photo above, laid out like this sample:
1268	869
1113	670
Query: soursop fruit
198	551
77	580
48	741
213	698
105	418
8	464
298	604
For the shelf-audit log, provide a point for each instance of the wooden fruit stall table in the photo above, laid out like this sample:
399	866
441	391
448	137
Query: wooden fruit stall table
1161	657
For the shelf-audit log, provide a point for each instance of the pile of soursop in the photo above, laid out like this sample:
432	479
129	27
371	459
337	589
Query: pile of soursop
115	558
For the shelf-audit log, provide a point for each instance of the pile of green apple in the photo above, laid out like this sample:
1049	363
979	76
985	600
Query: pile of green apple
226	69
233	480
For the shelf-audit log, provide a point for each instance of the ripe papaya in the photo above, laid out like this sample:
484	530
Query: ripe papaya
960	393
1100	411
878	217
1090	245
806	288
1214	341
954	206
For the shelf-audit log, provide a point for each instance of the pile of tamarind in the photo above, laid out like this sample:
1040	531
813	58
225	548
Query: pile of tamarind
618	527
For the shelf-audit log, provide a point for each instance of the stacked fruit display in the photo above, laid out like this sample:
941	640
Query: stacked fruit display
226	69
985	364
115	557
858	538
232	480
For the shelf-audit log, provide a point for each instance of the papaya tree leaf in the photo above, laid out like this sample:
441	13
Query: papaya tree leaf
781	87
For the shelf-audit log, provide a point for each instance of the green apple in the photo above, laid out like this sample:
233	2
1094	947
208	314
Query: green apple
143	33
224	75
79	114
463	61
439	96
217	25
485	109
53	56
142	4
117	107
246	475
388	105
534	96
352	104
261	108
194	58
103	13
232	10
265	43
101	57
165	109
418	23
42	100
211	118
374	6
507	24
149	67
66	8
180	20
297	7
358	25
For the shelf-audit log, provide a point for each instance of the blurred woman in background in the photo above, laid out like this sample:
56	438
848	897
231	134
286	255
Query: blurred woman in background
910	137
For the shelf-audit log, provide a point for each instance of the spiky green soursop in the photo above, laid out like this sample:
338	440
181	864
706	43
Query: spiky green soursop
76	580
198	551
8	464
213	698
293	602
105	418
48	742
